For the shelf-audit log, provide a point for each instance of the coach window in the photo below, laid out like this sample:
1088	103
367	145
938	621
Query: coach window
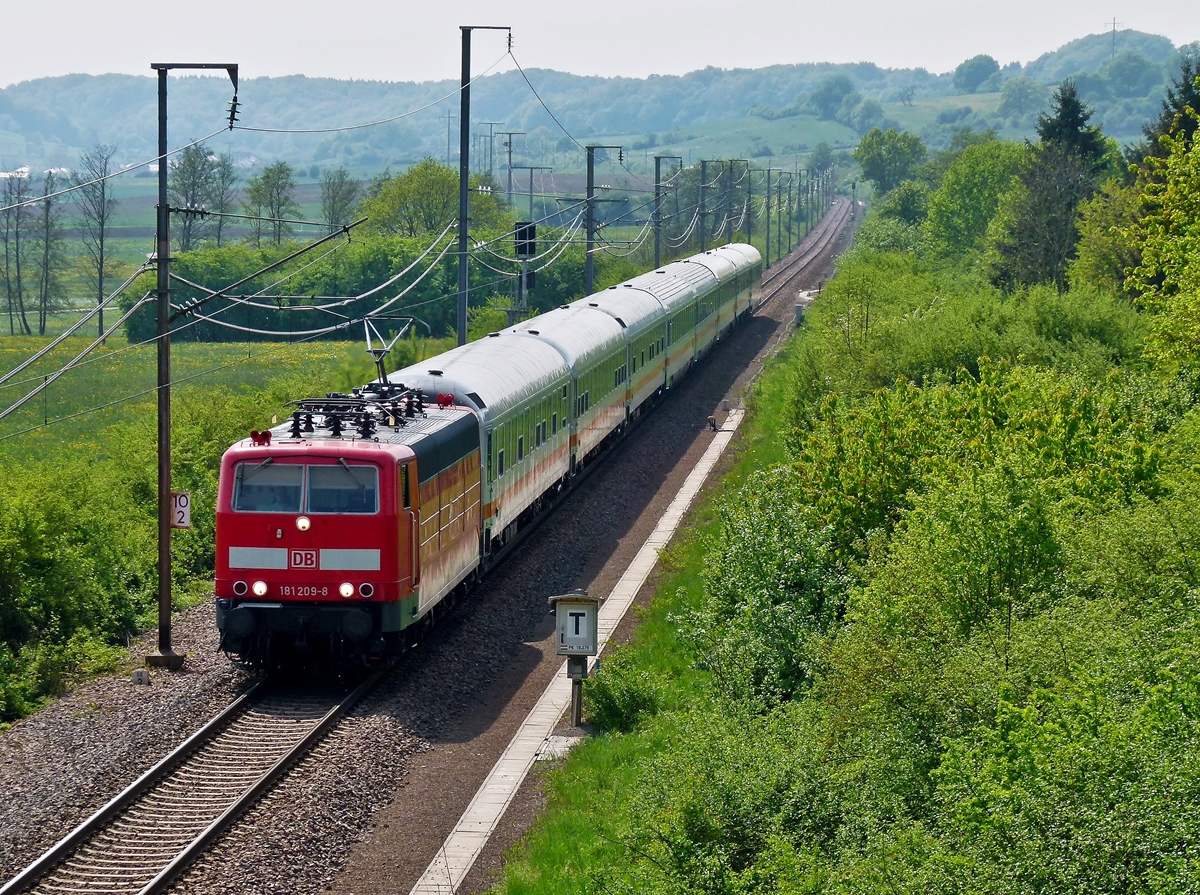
500	462
490	460
554	424
520	448
268	487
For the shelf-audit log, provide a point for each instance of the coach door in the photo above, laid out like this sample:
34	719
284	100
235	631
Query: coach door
410	510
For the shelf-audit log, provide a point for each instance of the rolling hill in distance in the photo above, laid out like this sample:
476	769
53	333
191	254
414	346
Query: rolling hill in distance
779	111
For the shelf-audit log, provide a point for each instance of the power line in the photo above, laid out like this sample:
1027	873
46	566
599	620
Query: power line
80	186
543	102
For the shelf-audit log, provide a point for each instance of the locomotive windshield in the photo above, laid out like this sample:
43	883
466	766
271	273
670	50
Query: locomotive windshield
294	488
268	488
342	489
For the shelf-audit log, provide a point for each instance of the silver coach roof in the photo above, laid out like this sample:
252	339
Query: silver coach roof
581	334
627	304
675	284
718	262
741	253
492	374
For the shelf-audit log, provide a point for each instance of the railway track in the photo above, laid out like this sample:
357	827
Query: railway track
142	839
830	226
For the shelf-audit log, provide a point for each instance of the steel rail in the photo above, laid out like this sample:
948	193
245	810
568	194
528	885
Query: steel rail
826	231
162	777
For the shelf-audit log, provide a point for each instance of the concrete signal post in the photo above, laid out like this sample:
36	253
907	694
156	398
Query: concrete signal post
577	635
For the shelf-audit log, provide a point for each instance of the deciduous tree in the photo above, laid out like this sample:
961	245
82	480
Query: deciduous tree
339	194
424	199
51	251
1168	278
1021	96
96	208
828	96
190	187
965	202
972	73
271	195
222	196
14	229
888	158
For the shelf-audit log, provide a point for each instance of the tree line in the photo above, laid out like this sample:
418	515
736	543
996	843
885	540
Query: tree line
208	199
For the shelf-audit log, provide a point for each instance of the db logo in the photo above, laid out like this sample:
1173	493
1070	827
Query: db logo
302	559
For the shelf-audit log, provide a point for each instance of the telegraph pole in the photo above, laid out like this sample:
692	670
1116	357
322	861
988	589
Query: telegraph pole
749	204
450	119
733	192
165	656
464	166
768	209
589	264
491	153
531	169
779	216
790	213
658	160
508	146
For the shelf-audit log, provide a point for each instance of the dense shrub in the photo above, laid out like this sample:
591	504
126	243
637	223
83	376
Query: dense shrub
620	694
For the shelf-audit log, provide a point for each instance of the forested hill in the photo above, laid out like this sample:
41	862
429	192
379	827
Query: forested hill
47	122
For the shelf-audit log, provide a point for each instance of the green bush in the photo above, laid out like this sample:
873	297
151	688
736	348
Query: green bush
770	589
620	694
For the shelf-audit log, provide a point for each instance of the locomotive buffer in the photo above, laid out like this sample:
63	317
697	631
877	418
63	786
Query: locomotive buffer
576	615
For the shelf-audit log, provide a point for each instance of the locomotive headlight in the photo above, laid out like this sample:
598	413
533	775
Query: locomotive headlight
259	588
346	589
303	523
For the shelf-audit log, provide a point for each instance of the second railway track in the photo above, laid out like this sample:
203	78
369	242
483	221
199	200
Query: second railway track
144	837
787	269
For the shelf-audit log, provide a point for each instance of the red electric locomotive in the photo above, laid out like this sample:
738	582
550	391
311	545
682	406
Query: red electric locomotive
320	546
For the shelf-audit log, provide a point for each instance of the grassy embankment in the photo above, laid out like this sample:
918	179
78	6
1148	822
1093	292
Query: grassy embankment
934	633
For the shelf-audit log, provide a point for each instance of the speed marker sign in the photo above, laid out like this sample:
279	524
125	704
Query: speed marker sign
181	509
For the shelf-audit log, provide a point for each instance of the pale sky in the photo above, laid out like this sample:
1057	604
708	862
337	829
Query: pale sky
407	40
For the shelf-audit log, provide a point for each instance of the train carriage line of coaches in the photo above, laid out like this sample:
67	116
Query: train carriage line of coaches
339	531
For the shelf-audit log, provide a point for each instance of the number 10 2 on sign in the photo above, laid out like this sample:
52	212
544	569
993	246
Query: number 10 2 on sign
181	509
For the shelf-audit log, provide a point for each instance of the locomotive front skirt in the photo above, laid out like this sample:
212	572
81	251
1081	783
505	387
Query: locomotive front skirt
341	529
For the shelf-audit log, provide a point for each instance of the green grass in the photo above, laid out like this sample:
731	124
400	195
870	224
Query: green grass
596	778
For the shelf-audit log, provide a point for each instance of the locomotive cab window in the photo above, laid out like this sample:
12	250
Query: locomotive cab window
343	489
268	487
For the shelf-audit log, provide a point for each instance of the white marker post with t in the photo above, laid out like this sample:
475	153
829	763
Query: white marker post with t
577	637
